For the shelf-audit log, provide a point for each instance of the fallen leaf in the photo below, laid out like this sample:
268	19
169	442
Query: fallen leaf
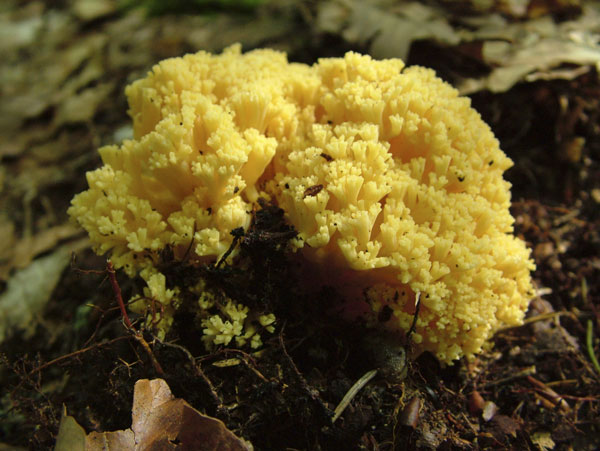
29	247
542	56
28	291
532	50
71	436
117	440
159	422
390	30
16	34
504	425
88	10
82	107
543	440
7	232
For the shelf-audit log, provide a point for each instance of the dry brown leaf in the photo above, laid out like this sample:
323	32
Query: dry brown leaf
515	52
71	436
543	440
29	247
28	291
390	28
82	107
117	440
159	422
88	10
503	425
533	50
7	232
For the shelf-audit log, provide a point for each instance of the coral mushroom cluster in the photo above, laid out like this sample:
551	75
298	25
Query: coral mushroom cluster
392	181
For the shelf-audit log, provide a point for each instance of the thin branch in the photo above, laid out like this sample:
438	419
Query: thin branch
416	315
349	396
115	285
136	333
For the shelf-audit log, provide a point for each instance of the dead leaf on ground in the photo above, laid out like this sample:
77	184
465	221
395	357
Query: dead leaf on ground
543	440
28	291
159	421
7	231
29	247
88	10
82	107
533	50
390	29
504	425
71	436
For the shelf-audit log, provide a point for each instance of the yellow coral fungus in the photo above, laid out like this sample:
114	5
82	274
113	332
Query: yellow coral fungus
393	182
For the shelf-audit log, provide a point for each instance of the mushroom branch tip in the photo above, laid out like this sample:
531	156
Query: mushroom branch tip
392	181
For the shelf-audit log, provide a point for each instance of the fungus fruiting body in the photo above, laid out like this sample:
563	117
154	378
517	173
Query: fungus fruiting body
392	181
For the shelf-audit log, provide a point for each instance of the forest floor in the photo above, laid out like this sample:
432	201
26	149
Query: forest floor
532	73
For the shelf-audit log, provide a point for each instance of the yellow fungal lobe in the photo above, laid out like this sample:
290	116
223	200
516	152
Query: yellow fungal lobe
393	182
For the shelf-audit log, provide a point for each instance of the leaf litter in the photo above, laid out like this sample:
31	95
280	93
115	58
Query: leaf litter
532	70
158	421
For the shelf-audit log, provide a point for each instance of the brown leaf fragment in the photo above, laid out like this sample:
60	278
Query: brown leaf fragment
7	231
71	436
114	440
203	432
504	425
390	31
88	10
29	247
82	107
533	50
27	292
543	440
159	422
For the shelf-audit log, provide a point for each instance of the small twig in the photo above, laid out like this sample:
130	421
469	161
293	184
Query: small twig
589	341
525	372
349	396
39	368
536	318
314	394
550	395
73	354
543	317
199	372
237	233
136	333
415	316
248	362
115	285
581	398
82	271
189	248
146	346
98	324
